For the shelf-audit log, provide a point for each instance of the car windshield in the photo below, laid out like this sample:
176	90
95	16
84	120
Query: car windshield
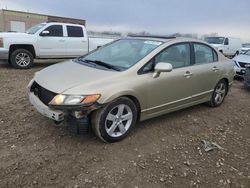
215	40
121	54
35	28
246	45
247	52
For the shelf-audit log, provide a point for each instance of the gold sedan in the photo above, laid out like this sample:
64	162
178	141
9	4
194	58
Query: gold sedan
130	80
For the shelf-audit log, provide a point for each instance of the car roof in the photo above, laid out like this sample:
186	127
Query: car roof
62	23
165	38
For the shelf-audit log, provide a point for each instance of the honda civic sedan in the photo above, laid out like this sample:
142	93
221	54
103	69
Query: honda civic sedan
130	80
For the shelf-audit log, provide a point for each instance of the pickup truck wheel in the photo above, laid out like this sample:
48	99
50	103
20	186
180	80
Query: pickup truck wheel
219	94
21	59
114	122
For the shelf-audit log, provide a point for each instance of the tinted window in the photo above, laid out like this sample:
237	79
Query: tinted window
215	40
226	41
55	30
74	31
178	55
204	54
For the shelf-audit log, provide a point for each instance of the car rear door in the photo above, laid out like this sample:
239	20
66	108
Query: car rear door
52	45
76	41
206	70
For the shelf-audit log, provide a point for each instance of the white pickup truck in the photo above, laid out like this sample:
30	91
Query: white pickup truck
46	41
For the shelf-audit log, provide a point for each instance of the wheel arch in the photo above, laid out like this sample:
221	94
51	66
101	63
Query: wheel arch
137	104
227	81
28	47
131	95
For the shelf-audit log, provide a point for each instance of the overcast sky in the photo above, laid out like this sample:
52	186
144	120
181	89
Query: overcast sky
225	17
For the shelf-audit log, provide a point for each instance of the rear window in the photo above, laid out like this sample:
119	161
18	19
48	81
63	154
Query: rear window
204	54
74	31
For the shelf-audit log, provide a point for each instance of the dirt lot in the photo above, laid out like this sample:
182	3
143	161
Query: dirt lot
162	152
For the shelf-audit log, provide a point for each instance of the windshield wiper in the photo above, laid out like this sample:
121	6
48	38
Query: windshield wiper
101	63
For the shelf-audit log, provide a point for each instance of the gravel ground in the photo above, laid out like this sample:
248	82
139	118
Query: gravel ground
161	152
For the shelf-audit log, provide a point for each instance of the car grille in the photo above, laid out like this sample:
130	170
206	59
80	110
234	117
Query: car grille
243	64
43	94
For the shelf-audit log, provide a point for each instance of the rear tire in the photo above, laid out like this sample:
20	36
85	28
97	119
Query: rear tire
219	94
21	59
115	121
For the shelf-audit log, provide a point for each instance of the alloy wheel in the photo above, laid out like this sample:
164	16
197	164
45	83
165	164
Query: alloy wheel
118	120
22	59
220	93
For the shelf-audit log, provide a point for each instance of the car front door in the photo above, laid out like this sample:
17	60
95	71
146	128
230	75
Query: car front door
227	50
76	41
51	42
171	90
206	71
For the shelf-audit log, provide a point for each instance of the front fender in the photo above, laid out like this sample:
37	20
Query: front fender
107	99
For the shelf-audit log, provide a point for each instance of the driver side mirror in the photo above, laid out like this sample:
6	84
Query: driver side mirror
44	33
162	67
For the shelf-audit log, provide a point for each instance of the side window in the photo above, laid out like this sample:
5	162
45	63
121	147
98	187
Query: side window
55	31
178	55
204	54
74	31
226	41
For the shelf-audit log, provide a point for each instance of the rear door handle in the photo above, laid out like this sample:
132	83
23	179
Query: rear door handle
188	74
61	40
215	69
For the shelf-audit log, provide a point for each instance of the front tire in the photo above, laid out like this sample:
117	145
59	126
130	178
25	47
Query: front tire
21	59
115	121
219	94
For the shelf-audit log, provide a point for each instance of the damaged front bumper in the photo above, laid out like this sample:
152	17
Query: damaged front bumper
39	97
56	115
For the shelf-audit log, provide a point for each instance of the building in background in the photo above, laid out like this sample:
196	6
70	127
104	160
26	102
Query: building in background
17	21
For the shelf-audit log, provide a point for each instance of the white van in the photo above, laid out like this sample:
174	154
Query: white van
227	45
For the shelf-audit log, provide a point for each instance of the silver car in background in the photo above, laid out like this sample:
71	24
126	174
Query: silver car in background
241	61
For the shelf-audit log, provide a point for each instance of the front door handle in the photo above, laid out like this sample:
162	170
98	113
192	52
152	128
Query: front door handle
215	69
61	40
188	74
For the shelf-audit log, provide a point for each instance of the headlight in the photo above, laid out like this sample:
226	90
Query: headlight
1	42
74	99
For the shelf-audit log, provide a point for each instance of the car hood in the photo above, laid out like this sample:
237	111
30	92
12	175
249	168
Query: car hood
61	77
216	45
14	35
242	58
245	48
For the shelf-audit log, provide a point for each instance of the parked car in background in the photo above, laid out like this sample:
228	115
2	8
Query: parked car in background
130	80
46	41
241	61
247	77
245	47
226	45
